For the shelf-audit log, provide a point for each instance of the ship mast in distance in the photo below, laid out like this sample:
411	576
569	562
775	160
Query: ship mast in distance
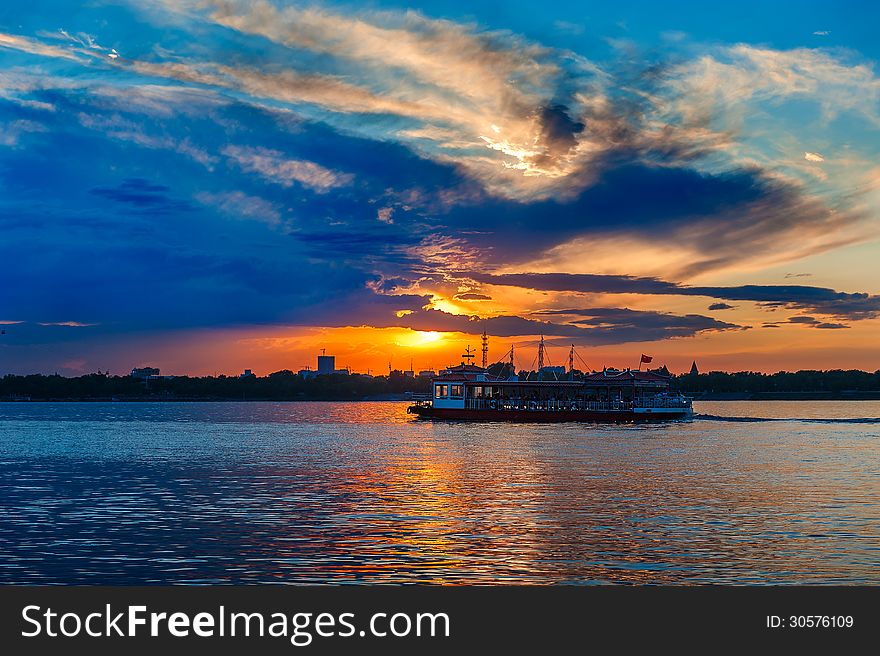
541	354
468	355
485	349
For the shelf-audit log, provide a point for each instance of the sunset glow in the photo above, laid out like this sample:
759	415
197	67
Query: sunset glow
212	186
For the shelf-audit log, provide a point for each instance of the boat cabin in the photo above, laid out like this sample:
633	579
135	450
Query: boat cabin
470	387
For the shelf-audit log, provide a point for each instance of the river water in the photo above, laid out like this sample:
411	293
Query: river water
137	493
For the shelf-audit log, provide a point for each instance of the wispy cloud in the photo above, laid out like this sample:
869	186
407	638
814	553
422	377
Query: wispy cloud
274	166
725	82
67	324
239	204
116	127
37	47
11	133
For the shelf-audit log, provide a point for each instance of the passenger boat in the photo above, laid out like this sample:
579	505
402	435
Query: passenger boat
469	392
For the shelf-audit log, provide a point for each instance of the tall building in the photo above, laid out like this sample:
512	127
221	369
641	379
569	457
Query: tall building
326	364
694	370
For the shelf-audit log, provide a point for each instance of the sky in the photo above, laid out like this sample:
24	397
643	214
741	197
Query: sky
212	185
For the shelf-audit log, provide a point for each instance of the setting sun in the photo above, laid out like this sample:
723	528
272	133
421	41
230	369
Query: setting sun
420	338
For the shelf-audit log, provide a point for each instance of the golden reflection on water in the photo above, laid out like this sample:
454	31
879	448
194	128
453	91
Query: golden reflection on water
310	492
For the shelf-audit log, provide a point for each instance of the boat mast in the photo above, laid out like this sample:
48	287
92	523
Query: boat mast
485	349
541	354
571	359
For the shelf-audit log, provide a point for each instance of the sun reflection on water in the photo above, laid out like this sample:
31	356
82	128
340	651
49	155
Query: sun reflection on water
362	492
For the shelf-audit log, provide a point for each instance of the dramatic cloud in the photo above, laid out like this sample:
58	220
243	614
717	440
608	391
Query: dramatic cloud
820	300
217	164
487	101
594	326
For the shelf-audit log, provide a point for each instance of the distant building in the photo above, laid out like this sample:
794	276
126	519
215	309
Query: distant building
694	370
247	374
144	372
427	373
326	364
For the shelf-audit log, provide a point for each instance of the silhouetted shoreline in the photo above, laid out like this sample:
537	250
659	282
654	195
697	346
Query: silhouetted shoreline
805	385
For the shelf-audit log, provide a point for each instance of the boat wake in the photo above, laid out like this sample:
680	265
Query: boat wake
809	420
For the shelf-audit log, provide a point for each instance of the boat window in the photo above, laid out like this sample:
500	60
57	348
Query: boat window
456	391
477	391
441	391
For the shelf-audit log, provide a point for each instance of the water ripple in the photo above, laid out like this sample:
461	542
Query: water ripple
363	493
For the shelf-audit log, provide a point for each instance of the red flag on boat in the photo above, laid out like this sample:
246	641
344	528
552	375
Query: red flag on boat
646	359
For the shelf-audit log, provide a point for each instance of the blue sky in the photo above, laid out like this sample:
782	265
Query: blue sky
344	174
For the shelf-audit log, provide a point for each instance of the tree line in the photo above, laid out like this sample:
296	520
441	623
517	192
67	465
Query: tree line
280	385
287	385
835	381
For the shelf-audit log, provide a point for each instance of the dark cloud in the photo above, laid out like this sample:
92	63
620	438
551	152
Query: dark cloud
471	296
147	197
558	132
596	326
811	322
721	306
518	230
820	300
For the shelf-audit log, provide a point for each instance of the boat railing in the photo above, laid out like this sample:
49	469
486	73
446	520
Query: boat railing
557	405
